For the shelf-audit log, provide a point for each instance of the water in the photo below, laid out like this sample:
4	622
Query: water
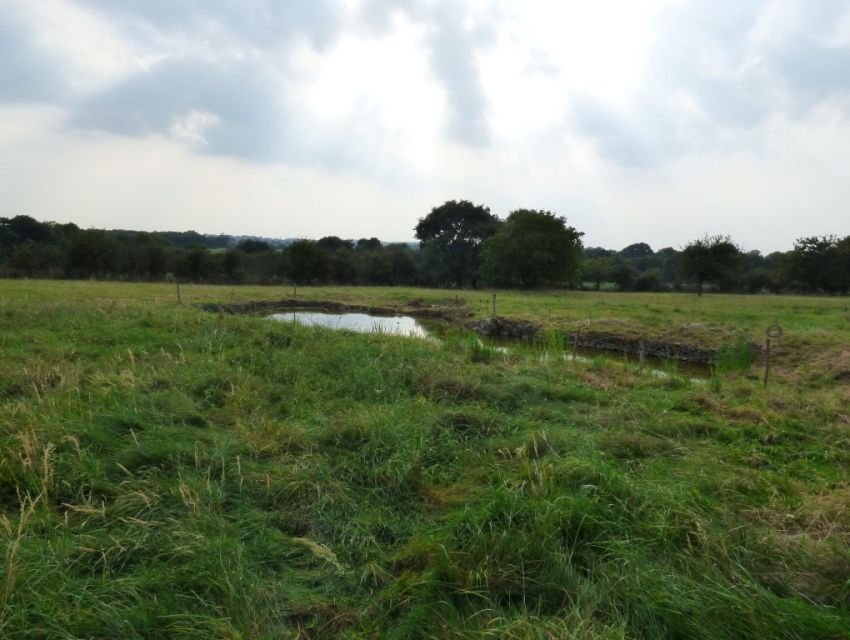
653	364
408	326
359	322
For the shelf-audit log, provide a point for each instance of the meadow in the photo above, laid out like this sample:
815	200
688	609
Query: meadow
168	472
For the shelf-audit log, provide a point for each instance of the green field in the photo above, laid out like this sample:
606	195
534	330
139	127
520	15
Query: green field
166	472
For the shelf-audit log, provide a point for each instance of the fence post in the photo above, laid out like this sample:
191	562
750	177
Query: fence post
575	343
766	360
642	356
177	283
494	305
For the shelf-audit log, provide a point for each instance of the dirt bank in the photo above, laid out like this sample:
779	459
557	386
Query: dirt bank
415	309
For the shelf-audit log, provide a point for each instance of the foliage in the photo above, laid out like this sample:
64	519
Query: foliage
33	249
452	236
709	259
821	263
598	269
531	248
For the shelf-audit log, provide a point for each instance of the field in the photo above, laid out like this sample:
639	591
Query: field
166	472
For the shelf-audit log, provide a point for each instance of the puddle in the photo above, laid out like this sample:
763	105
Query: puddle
358	322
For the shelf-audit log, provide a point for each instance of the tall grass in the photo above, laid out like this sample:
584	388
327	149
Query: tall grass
736	355
170	473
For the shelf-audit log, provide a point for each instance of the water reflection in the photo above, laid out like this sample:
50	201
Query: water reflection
359	322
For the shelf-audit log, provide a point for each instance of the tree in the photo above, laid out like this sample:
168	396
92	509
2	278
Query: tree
709	259
623	275
193	263
93	253
637	250
815	263
368	244
533	247
598	270
452	236
251	246
307	263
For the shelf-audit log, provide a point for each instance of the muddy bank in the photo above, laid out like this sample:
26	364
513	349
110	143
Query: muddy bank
652	348
499	327
494	327
259	307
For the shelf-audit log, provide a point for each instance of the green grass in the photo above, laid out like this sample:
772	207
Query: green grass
166	472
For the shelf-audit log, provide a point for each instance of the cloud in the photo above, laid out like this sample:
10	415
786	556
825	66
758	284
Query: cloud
713	73
193	127
620	115
453	51
254	23
243	95
27	71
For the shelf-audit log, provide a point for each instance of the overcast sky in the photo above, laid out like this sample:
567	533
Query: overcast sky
638	120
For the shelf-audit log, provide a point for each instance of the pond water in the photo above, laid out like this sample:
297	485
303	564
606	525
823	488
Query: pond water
408	326
653	364
359	322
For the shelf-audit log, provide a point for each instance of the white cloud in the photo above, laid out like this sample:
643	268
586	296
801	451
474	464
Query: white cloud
192	127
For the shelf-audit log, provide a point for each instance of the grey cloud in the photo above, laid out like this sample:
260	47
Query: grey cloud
28	72
453	51
257	22
240	93
707	56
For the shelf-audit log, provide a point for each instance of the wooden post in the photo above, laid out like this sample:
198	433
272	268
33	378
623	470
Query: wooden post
642	356
177	283
575	344
766	361
494	305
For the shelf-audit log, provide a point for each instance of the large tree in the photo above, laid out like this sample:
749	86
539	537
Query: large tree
598	269
709	259
452	236
531	248
816	263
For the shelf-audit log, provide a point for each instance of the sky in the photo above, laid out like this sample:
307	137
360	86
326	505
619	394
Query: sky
638	120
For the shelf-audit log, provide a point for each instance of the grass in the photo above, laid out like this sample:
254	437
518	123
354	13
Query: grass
166	472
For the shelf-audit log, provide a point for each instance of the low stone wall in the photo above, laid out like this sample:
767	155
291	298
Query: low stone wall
498	327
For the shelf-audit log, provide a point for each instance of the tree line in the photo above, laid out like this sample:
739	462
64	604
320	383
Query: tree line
461	244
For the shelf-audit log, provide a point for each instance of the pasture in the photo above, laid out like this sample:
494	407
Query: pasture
168	472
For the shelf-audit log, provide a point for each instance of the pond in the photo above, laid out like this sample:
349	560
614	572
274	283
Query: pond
359	322
408	326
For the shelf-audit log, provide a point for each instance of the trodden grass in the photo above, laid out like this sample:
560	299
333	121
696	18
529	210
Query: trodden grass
165	472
